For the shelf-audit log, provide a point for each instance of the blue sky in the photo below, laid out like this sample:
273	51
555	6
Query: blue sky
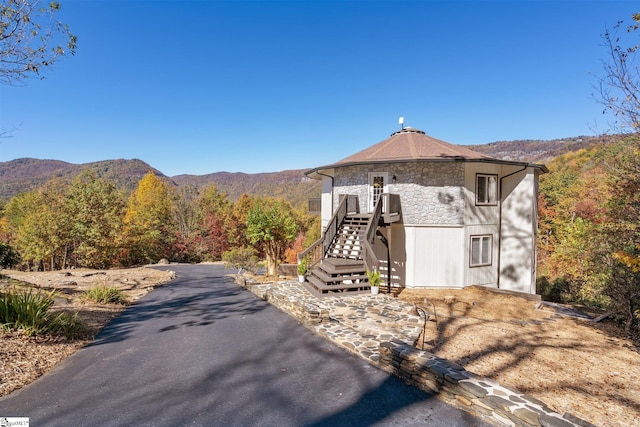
205	86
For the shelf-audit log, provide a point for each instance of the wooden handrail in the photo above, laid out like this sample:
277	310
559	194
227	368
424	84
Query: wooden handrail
372	226
371	263
391	203
348	204
313	254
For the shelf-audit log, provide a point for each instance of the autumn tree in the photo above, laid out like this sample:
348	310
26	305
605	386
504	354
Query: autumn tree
215	201
186	222
236	225
309	232
624	211
215	221
97	211
8	256
40	225
314	231
271	226
31	39
148	226
185	211
297	246
589	241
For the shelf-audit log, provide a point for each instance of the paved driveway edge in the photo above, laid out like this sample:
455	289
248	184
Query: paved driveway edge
347	321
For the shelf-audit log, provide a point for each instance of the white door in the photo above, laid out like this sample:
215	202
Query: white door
378	184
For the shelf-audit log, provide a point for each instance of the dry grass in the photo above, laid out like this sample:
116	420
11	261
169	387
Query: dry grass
573	366
24	359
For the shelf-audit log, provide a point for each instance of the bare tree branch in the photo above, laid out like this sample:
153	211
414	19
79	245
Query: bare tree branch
618	89
31	39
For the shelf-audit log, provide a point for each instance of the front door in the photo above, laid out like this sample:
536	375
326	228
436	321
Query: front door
378	182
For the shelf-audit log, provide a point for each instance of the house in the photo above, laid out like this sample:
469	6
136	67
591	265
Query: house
426	214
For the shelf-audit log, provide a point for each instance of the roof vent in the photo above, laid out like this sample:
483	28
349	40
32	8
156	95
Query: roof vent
408	129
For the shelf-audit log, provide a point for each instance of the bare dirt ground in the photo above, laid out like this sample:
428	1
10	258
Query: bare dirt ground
574	366
23	359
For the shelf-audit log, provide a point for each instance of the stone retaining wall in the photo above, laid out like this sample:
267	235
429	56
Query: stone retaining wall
449	381
478	395
287	301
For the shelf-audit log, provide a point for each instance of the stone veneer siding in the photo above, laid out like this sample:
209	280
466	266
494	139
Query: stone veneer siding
431	193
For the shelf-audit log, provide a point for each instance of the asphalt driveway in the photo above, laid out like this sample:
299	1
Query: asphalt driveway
203	351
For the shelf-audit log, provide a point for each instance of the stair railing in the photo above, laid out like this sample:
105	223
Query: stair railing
371	262
372	226
316	252
391	203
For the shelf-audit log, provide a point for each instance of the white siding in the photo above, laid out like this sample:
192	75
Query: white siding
431	246
433	257
474	215
485	275
326	211
517	260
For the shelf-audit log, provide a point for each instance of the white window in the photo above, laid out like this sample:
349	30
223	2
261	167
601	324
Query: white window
481	248
486	189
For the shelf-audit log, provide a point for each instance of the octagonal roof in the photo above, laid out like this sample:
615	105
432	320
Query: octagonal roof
411	144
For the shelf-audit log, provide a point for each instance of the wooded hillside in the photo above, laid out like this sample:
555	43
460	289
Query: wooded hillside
27	174
540	151
22	175
291	185
589	239
589	243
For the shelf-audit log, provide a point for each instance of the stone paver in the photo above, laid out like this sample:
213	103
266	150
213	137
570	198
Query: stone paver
358	322
383	330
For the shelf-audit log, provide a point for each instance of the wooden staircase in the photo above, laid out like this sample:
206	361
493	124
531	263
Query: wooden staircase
338	261
343	268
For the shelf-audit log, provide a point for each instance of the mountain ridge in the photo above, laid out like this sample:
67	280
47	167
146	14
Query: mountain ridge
27	174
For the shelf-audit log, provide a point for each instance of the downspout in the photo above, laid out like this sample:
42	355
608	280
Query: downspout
500	220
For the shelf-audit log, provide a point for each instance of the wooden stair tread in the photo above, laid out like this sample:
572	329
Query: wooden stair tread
328	278
321	285
320	289
342	271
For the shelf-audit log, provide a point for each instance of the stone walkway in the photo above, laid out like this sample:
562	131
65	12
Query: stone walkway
358	322
384	330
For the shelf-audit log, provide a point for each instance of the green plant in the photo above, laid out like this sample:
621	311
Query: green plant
244	259
66	324
8	256
271	226
302	267
374	277
557	290
30	312
103	294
